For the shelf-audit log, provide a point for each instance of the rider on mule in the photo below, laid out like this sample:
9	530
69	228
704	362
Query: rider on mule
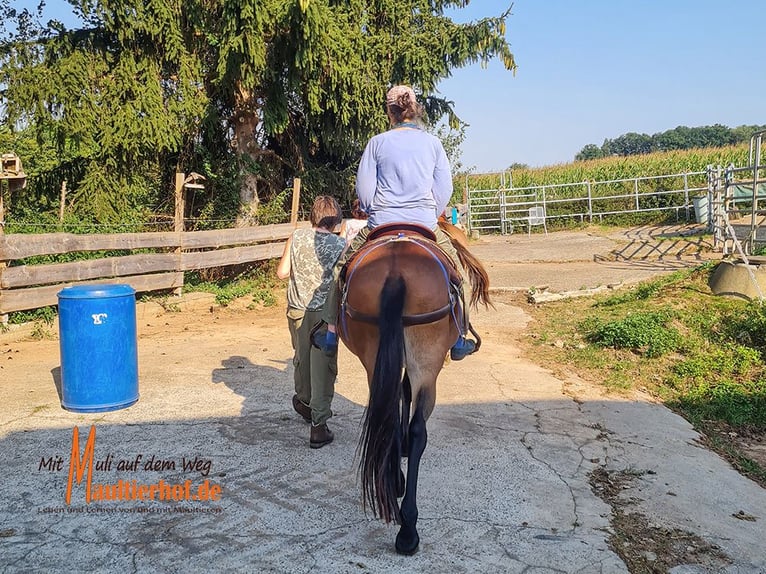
403	177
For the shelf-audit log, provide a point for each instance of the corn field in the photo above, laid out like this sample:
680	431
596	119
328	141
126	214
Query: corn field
611	168
630	190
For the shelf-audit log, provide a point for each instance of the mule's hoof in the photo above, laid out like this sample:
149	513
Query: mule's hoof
407	545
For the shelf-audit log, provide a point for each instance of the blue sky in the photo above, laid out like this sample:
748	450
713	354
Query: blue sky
595	69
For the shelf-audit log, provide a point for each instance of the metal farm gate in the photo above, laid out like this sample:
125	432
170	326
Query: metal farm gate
505	208
738	204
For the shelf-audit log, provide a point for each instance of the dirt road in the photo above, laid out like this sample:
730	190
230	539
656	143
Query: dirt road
524	471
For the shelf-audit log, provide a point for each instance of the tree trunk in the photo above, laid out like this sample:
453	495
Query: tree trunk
245	122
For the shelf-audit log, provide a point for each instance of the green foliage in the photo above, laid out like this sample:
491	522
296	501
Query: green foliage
277	210
642	291
590	151
645	290
646	332
249	93
739	402
44	315
259	281
747	326
723	362
115	100
679	138
326	180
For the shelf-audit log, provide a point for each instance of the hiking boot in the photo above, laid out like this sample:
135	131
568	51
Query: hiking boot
326	341
302	408
320	436
462	349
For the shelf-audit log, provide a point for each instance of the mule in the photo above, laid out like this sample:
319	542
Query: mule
400	314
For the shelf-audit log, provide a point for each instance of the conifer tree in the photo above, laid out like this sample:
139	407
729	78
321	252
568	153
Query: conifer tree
264	89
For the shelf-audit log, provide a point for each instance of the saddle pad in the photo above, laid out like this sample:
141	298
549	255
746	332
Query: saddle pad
414	235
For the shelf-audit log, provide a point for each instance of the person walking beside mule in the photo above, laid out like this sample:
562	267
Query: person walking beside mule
308	260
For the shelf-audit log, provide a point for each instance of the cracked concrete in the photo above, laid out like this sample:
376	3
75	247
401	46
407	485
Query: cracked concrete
504	483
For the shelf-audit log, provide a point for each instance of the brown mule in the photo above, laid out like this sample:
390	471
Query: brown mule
400	316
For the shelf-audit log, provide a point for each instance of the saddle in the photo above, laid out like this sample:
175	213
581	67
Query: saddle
406	231
425	238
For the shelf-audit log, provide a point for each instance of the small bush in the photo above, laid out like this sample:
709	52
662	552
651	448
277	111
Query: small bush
647	333
737	403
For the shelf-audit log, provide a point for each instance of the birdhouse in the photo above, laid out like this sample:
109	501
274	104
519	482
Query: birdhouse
194	181
10	169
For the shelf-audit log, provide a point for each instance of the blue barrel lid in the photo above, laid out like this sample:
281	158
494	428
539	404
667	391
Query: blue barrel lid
97	291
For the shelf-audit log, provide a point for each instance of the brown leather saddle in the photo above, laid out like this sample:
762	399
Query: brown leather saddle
424	237
412	231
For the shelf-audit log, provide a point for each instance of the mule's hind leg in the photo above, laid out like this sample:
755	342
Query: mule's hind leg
407	540
406	402
404	430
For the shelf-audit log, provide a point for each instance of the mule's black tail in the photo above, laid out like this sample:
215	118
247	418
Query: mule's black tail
380	442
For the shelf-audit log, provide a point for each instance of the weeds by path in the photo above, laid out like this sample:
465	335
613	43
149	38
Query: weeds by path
700	354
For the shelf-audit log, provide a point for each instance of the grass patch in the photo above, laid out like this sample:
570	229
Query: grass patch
44	315
260	282
702	355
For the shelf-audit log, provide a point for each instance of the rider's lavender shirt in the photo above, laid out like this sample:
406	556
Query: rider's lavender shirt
404	175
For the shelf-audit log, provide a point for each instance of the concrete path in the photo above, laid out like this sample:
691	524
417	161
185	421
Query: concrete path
505	484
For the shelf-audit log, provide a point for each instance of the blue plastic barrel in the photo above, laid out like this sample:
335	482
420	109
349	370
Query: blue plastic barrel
99	358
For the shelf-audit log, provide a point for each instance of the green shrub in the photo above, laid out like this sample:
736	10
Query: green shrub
644	332
717	363
737	403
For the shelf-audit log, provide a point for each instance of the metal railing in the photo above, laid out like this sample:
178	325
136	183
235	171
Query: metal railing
738	196
498	210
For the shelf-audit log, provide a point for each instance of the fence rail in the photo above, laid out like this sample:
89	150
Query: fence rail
160	264
498	210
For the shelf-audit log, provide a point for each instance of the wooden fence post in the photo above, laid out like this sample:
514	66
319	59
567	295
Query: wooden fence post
296	201
63	201
3	318
179	202
178	226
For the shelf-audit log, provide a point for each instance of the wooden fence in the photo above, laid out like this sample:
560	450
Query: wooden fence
159	264
24	287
